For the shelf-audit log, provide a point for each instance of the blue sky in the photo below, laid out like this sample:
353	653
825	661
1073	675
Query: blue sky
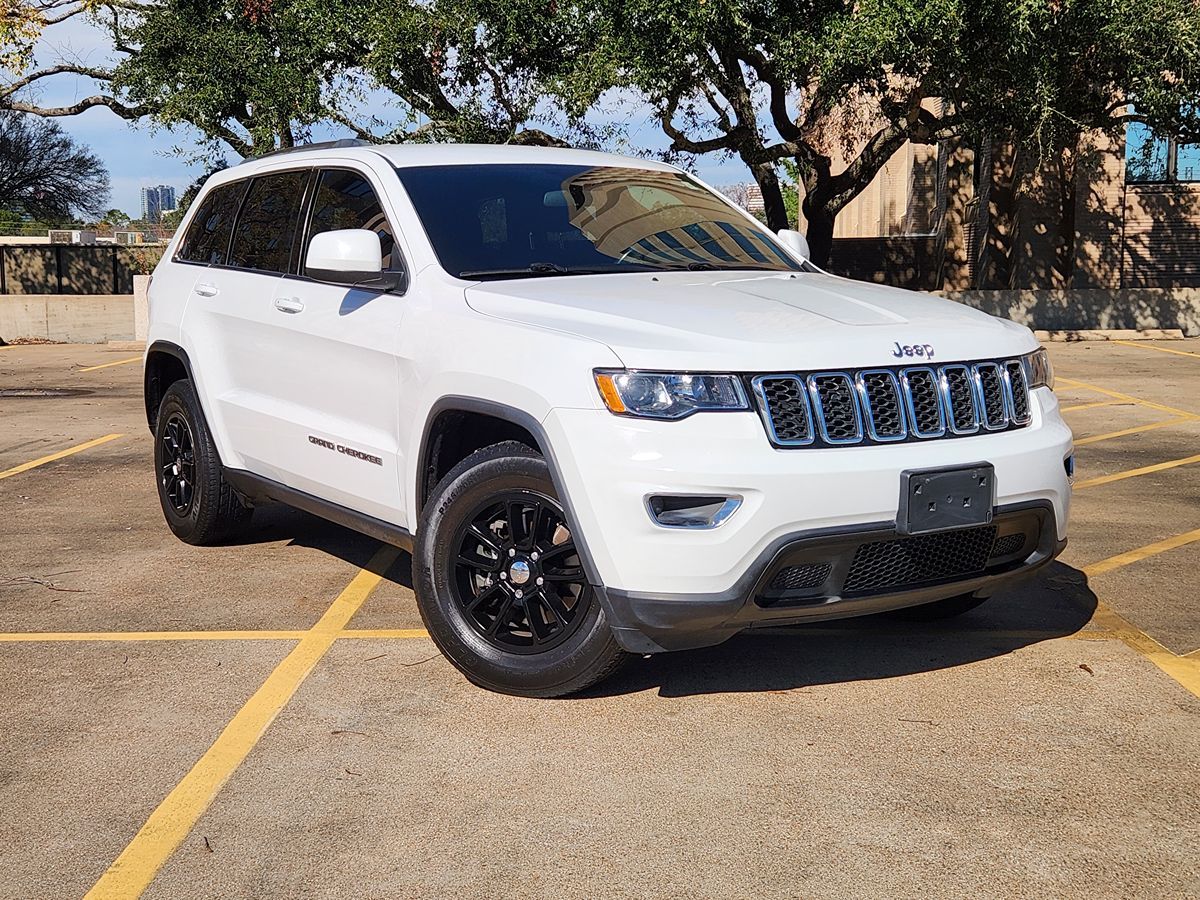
138	155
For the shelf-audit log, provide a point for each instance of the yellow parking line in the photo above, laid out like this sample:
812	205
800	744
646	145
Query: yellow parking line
1128	558
1098	403
1142	346
70	451
120	362
384	633
1165	423
1184	669
35	637
1117	395
1133	473
132	871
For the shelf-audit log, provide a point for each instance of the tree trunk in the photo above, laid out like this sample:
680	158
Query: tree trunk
773	206
1068	158
820	233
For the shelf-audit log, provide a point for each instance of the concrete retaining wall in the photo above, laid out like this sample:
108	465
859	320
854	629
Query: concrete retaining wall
93	319
1089	310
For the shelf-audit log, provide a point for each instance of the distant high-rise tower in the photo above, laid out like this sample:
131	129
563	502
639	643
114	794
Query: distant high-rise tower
156	201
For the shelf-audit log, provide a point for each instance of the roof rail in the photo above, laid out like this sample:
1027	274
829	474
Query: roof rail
341	144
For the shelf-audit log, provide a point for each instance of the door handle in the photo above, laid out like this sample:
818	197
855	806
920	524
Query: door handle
289	304
204	289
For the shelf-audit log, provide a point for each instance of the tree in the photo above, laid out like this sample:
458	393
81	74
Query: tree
44	174
115	218
837	86
254	75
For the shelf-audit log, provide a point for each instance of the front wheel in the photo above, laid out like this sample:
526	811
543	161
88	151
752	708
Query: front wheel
500	584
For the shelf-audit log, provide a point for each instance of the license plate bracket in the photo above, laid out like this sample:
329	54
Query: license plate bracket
941	499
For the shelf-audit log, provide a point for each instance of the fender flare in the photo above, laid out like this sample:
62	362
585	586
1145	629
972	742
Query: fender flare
169	349
531	424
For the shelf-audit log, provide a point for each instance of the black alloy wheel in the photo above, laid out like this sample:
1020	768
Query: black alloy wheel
517	574
178	464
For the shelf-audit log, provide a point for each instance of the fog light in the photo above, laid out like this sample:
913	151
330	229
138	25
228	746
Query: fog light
1069	465
691	512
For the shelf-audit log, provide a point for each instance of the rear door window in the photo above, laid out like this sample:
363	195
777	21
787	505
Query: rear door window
207	238
345	199
267	225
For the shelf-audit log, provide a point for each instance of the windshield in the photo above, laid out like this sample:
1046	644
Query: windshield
518	221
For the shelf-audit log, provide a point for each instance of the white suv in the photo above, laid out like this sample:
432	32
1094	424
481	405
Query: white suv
606	410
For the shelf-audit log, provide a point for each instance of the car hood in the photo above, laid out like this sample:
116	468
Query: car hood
718	321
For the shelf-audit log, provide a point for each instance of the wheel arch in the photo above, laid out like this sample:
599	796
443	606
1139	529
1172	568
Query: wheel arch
518	421
166	363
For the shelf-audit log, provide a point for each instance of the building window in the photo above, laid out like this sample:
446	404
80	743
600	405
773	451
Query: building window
1150	159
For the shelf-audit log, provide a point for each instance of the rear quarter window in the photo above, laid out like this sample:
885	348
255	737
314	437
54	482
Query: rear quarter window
207	238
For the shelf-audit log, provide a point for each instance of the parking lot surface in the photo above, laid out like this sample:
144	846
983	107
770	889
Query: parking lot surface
267	719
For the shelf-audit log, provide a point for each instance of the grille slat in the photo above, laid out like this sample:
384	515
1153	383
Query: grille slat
991	391
911	561
836	408
877	406
1018	393
879	392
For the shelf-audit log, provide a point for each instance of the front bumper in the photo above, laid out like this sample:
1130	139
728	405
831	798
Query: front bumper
608	466
768	594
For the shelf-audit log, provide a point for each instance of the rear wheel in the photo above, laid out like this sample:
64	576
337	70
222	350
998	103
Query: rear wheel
199	505
939	609
500	581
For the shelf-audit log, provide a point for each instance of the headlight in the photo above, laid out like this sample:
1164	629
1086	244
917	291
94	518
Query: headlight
661	395
1038	371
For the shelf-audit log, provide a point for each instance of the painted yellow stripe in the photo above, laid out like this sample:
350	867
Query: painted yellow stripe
1184	670
1117	395
1143	346
1098	403
120	362
1195	654
1134	473
1165	423
394	633
1129	558
61	454
34	637
132	871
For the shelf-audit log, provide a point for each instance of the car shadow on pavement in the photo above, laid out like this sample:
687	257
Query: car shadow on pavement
1057	603
277	522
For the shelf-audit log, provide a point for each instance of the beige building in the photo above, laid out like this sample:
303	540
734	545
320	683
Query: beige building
948	217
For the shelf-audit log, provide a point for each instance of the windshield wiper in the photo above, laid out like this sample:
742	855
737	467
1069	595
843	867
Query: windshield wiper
536	268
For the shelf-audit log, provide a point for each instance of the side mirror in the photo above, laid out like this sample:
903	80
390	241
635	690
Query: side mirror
794	241
351	256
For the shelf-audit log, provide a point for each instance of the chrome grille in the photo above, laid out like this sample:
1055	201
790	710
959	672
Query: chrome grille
959	386
1017	393
870	406
991	391
924	404
790	420
879	393
835	408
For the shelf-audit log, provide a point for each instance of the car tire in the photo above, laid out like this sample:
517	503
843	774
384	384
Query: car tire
500	581
199	505
939	609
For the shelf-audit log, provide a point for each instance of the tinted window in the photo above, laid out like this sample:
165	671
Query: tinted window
347	200
511	220
268	222
207	238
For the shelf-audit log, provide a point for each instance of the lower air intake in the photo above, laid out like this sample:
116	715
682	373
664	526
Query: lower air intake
884	566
